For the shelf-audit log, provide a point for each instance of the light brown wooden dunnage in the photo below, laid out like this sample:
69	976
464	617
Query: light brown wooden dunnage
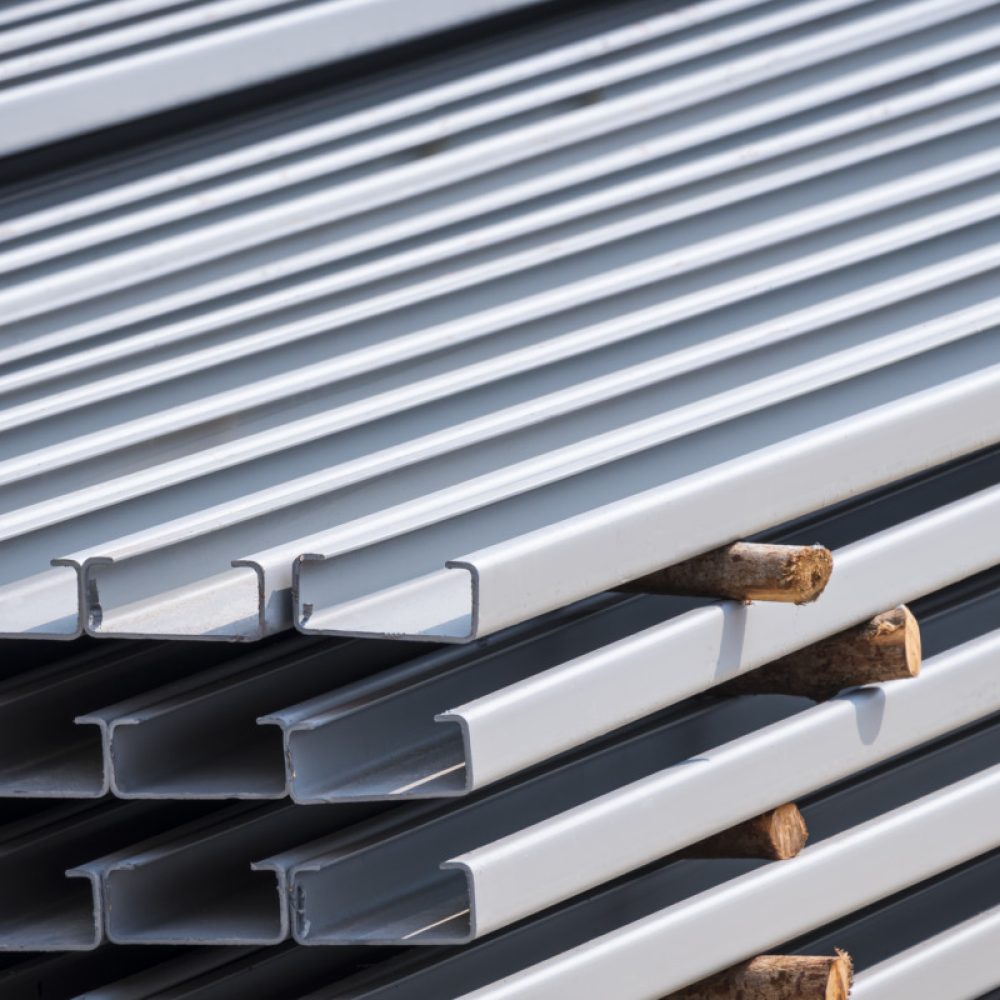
777	977
745	571
777	835
886	648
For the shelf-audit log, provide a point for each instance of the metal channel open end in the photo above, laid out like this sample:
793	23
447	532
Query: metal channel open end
347	903
74	769
48	904
120	600
63	918
162	901
327	761
438	607
143	764
45	606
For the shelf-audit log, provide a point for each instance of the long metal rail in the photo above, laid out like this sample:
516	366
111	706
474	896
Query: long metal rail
79	70
438	885
688	941
958	964
434	740
202	444
358	592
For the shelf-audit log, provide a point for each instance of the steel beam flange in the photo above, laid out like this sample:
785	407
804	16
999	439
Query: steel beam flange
756	912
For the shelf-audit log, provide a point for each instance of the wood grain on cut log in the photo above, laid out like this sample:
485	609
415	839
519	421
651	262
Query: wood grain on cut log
745	571
777	977
886	648
777	835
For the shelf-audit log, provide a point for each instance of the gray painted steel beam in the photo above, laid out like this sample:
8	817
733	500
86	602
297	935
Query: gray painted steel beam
47	904
394	737
958	964
65	87
47	750
757	911
187	516
197	738
449	892
352	586
448	972
199	884
405	897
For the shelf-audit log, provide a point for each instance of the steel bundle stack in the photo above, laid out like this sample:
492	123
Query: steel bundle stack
352	438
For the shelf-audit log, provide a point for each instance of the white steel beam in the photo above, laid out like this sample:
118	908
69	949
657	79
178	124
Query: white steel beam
962	963
505	880
587	696
686	942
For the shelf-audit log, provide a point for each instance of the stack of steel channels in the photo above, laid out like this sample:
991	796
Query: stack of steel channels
392	388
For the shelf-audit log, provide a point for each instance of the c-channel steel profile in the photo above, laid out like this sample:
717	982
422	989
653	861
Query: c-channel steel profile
939	91
47	750
700	936
121	584
468	747
217	59
201	884
958	964
278	602
528	575
460	896
470	160
216	519
48	904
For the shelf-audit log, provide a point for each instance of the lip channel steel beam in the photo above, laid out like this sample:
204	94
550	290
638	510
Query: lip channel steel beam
201	883
958	964
157	497
419	973
528	573
686	942
54	92
46	904
513	874
449	734
47	749
409	900
197	738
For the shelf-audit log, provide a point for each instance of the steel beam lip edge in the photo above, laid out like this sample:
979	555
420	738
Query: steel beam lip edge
516	580
164	534
197	68
495	320
529	870
669	950
433	95
271	608
464	162
958	964
101	355
625	680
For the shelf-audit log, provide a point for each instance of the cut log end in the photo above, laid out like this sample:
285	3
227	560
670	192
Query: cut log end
886	648
898	633
841	977
807	572
787	831
778	977
746	571
776	835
